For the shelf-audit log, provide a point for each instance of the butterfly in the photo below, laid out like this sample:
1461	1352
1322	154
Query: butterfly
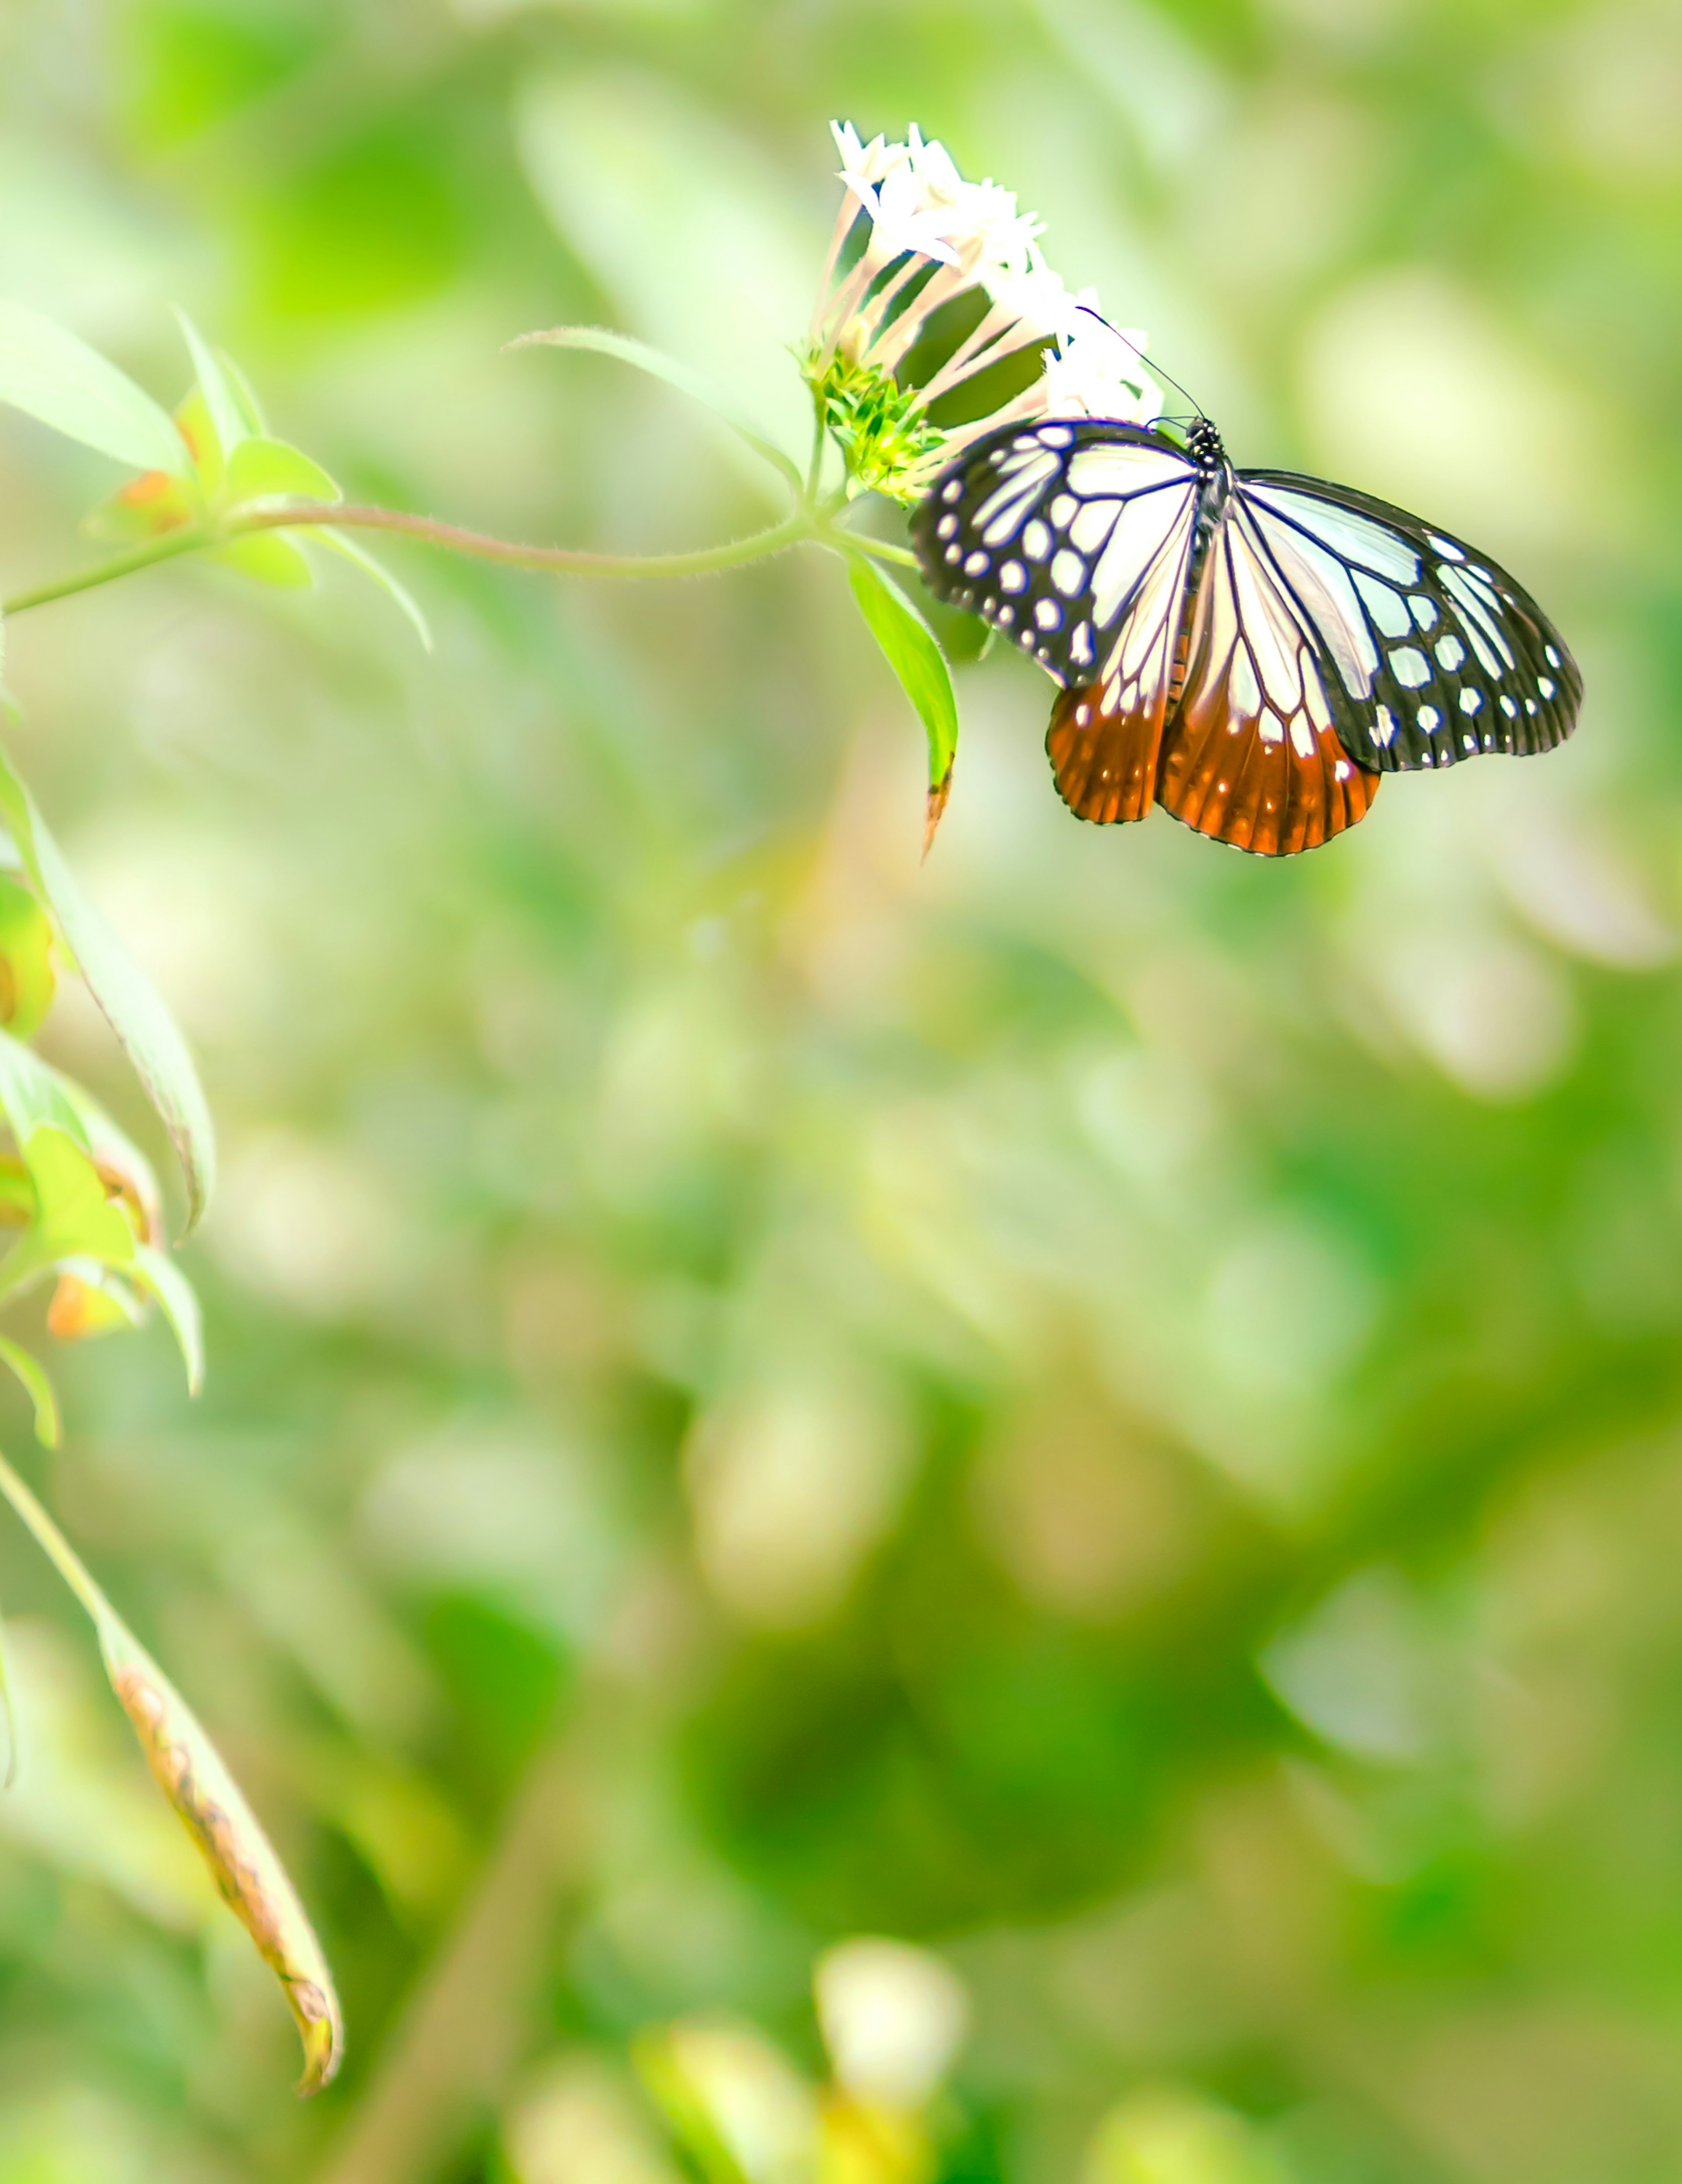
1251	649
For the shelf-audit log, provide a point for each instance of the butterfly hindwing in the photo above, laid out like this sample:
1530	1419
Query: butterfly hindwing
1437	653
1251	755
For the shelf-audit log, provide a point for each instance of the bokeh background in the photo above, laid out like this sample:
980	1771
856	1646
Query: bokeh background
1099	1407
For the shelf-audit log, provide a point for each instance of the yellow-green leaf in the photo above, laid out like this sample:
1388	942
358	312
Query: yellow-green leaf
158	1274
32	1373
192	1776
140	1020
909	646
273	469
269	559
46	371
26	979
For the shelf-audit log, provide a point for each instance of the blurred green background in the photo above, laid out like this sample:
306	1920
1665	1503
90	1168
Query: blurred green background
1098	1407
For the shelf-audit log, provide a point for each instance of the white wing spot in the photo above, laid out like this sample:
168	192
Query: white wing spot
1470	742
1342	770
1080	644
1094	525
1301	737
1430	719
1446	547
1388	609
1241	684
1553	657
1055	436
1036	540
1470	701
1047	613
1450	652
1531	706
1383	728
1083	715
954	553
947	525
1068	571
1410	667
1424	611
953	489
1013	576
977	564
1508	707
1062	510
1007	617
1546	686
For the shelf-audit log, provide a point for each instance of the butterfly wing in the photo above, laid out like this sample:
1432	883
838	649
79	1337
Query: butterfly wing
1076	539
1437	654
1251	755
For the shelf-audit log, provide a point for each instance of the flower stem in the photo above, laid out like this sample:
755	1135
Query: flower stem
293	515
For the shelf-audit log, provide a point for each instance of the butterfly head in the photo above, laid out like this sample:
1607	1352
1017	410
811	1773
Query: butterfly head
1203	444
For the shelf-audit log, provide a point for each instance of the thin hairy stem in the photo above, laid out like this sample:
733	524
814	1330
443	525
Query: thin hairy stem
294	516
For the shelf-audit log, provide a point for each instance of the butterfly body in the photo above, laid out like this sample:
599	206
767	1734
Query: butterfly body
1252	649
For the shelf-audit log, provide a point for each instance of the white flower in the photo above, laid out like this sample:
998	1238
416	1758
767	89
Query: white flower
1099	371
933	238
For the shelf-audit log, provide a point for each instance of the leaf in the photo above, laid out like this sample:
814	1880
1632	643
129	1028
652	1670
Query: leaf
90	1300
274	470
179	1300
353	551
660	366
192	1774
909	646
32	1373
221	401
270	558
143	1025
26	980
47	372
74	1219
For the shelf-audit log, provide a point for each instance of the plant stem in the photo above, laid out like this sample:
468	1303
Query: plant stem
190	539
294	516
52	1543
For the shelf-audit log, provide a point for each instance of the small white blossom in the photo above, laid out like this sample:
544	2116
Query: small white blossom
1098	370
934	237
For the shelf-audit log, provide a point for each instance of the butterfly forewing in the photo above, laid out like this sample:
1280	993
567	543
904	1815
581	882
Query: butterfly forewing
1056	533
1438	655
1077	540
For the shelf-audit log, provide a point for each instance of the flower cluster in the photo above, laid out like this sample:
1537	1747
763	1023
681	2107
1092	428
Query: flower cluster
929	239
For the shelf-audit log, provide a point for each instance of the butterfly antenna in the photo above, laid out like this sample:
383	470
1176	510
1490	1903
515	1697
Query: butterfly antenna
1196	406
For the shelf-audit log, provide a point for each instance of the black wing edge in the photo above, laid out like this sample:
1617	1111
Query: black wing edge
1529	630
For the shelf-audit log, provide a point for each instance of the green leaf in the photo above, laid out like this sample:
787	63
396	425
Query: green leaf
354	552
51	375
144	1026
273	469
29	1370
74	1219
250	408
34	1098
270	558
193	1776
26	979
163	1279
660	366
909	646
222	399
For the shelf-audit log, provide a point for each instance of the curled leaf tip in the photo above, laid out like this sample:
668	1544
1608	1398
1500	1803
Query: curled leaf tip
939	791
247	1874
